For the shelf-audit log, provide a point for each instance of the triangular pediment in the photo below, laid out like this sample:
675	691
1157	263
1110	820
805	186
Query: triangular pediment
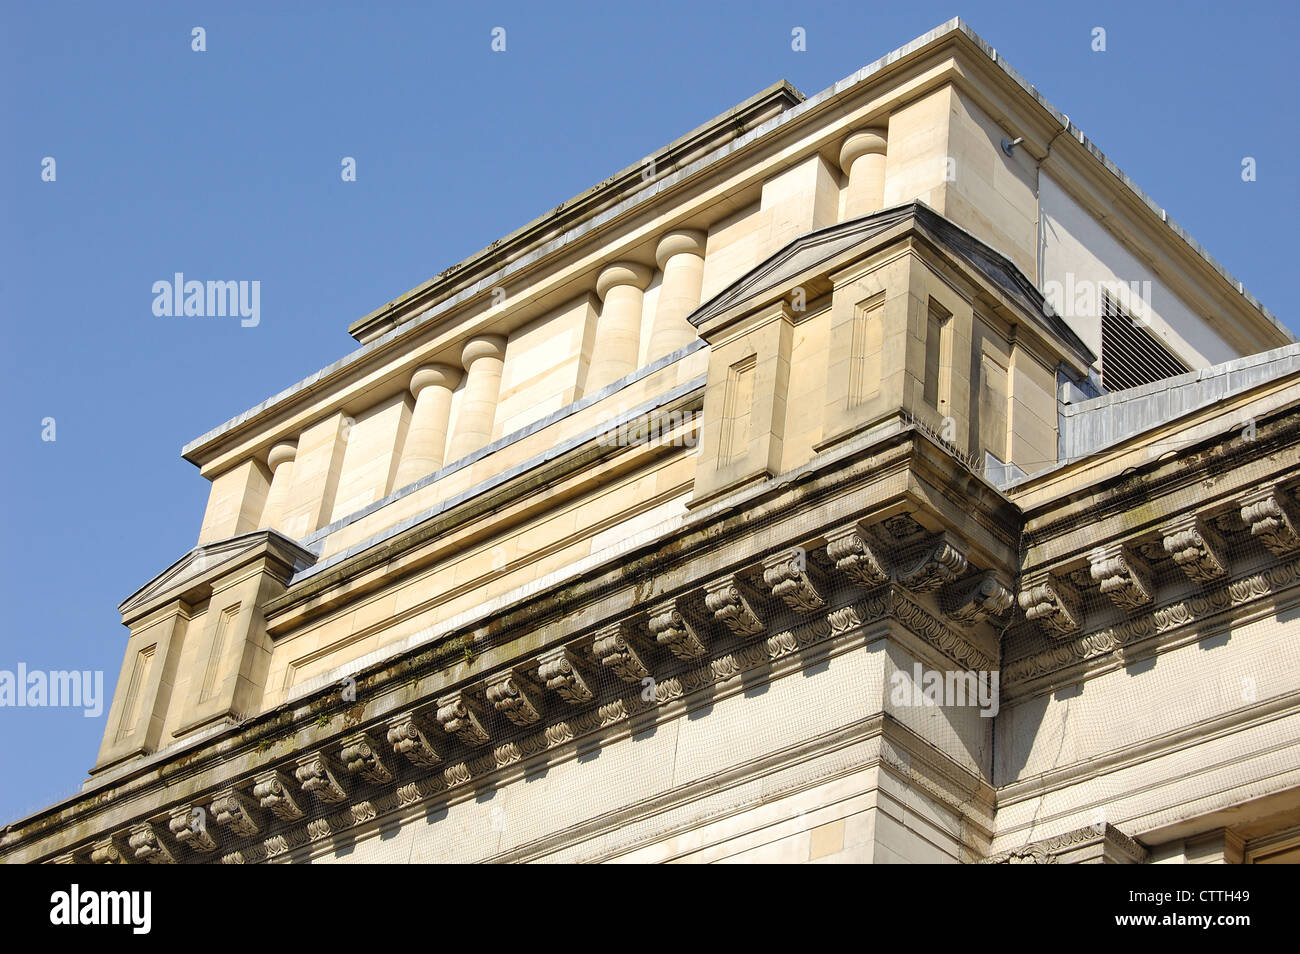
823	246
203	560
805	252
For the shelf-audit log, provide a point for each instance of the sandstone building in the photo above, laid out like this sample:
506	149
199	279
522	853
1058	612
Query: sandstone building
617	541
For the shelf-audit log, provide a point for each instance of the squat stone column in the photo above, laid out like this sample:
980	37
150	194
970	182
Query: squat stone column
483	357
621	287
862	157
681	258
280	460
426	436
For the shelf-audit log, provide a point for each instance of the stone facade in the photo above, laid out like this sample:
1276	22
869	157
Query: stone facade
635	536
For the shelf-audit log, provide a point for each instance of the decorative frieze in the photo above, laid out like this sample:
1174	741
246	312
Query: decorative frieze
1269	515
855	557
418	790
189	826
726	600
670	628
272	788
1195	549
787	575
1121	576
361	756
560	671
316	775
147	845
614	649
897	603
283	842
457	716
514	697
406	736
1050	604
234	810
274	792
973	600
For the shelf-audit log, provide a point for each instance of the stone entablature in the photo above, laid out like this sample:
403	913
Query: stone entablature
503	716
487	729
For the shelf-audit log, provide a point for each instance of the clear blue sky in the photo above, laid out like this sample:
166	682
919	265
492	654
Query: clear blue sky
225	165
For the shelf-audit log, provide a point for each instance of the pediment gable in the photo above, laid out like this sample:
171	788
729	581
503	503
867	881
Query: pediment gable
824	245
201	562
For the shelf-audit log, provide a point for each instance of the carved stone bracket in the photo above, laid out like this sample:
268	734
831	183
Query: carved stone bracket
112	850
361	756
1051	604
973	600
726	600
787	575
670	628
147	845
1121	576
458	716
561	673
316	775
614	648
189	826
1195	548
514	696
939	562
856	557
233	809
1271	519
274	792
406	736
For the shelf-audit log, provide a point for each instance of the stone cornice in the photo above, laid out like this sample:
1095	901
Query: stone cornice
1189	616
328	765
1223	463
500	759
489	699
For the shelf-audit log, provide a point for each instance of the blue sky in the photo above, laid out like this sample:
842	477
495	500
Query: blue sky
225	165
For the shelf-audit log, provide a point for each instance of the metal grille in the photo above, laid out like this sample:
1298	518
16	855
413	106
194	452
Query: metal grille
1130	355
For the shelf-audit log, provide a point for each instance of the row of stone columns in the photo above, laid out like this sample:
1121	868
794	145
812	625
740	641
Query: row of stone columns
427	446
621	288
